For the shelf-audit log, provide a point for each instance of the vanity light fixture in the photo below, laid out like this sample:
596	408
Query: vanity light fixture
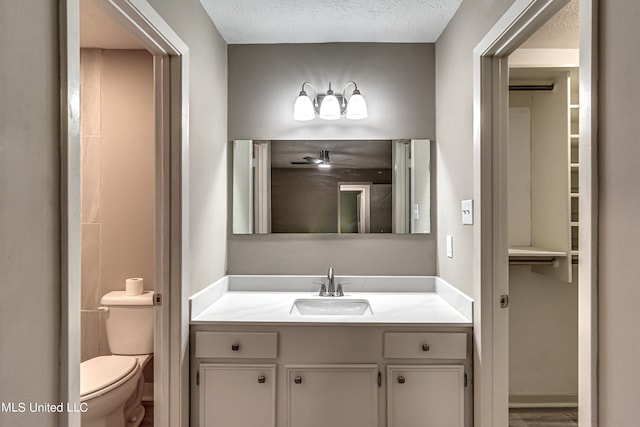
330	106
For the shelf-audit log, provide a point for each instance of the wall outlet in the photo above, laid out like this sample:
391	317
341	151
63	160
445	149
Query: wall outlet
467	212
450	246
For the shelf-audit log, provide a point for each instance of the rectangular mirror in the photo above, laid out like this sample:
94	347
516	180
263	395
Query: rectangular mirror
331	186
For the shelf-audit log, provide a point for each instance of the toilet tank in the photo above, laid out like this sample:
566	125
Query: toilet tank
129	322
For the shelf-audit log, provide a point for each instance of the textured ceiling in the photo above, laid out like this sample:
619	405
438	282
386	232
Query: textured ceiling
560	32
322	21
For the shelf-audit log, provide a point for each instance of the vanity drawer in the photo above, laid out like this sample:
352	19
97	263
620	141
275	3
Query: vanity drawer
423	345
242	345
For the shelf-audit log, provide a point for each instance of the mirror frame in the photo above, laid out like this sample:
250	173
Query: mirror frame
262	164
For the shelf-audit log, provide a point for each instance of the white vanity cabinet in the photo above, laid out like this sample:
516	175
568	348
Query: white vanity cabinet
332	395
233	393
331	375
237	395
424	395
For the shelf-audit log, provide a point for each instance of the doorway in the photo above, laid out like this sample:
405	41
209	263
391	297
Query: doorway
354	207
168	59
491	272
543	251
117	185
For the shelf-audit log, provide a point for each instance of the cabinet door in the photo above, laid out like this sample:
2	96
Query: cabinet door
332	395
425	396
237	395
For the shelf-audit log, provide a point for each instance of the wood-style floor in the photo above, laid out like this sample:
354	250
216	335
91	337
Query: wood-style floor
543	417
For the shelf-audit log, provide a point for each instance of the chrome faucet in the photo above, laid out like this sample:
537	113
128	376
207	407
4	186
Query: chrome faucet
329	289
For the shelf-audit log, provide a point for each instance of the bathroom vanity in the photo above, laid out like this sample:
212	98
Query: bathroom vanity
393	351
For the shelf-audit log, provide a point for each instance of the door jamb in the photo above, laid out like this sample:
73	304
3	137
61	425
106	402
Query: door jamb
171	71
490	250
69	372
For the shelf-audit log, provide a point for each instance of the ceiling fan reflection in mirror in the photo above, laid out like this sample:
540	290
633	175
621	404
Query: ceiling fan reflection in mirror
323	161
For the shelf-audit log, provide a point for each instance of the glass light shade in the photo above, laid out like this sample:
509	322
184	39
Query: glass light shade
357	107
330	108
303	109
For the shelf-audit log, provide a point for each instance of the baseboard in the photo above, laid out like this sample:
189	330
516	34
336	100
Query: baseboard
544	401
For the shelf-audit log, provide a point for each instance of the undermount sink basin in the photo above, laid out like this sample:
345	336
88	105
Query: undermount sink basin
331	307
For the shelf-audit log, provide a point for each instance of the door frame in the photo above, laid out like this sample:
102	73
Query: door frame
364	190
171	75
490	245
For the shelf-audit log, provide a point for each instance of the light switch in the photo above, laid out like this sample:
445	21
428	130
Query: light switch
467	212
450	246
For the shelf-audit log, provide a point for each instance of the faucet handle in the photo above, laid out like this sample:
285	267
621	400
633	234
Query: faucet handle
323	287
339	292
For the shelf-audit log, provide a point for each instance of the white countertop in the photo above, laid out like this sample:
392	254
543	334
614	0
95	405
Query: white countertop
269	299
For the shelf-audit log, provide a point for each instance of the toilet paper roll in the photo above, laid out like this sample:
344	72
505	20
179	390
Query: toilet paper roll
134	286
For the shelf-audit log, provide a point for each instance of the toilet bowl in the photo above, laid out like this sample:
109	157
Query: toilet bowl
111	387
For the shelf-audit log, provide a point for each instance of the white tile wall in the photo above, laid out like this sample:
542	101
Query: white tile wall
91	320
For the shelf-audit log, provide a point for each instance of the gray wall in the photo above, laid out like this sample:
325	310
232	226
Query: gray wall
454	124
207	138
619	176
29	208
543	337
397	80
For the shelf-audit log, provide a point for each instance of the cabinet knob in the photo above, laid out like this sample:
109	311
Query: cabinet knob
235	347
298	380
401	379
261	379
425	347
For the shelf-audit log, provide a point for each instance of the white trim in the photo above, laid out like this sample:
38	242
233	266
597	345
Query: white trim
364	188
544	401
490	245
262	184
162	319
171	64
588	208
69	375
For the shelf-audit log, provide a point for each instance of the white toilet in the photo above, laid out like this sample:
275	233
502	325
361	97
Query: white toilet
111	386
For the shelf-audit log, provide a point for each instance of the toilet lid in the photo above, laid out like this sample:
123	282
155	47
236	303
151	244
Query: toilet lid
100	372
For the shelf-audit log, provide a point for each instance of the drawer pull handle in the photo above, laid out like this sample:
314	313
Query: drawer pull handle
262	379
425	347
298	380
235	347
401	379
